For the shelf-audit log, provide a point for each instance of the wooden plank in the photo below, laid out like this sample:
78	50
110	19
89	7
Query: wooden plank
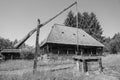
86	57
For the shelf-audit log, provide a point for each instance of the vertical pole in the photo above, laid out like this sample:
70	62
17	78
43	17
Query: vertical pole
11	57
47	48
67	52
77	27
100	65
58	50
81	52
85	67
36	48
51	49
91	53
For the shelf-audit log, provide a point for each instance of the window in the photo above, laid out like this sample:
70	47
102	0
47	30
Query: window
83	35
62	32
74	34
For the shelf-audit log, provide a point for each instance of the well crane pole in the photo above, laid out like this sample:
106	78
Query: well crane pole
40	25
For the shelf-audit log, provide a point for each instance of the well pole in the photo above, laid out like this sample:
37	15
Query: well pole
36	48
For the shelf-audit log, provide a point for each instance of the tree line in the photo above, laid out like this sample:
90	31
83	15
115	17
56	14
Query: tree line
86	21
27	52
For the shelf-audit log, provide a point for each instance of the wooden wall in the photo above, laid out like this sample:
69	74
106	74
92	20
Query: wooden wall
71	49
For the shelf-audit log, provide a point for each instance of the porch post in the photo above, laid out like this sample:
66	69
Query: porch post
91	53
85	67
47	48
81	52
58	51
100	65
67	51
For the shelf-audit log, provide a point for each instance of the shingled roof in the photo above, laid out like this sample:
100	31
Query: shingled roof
61	34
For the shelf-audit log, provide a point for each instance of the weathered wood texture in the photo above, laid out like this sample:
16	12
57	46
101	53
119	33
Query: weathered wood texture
71	49
36	47
85	60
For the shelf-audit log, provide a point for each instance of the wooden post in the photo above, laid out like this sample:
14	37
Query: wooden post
67	52
91	53
11	57
36	48
47	48
58	51
97	52
51	49
85	68
100	65
81	52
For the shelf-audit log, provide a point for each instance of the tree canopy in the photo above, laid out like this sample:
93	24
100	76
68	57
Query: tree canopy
5	43
114	44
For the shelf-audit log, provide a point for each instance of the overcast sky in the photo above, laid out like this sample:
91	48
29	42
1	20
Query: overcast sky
18	17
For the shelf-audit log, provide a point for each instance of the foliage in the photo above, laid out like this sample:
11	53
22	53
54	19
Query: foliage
27	52
87	22
5	43
106	42
113	44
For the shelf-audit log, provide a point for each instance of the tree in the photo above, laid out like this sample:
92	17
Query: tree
87	22
5	43
70	20
106	42
27	52
113	47
14	42
113	44
116	42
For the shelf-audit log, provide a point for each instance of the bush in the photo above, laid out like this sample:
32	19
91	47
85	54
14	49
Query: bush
26	54
112	47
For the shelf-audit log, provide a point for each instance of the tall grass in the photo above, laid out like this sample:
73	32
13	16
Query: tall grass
15	65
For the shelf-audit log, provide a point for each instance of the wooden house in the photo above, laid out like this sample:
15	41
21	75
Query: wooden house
64	40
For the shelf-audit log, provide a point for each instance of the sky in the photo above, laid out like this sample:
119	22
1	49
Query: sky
18	17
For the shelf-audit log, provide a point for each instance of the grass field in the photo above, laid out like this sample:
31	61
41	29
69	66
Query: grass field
58	70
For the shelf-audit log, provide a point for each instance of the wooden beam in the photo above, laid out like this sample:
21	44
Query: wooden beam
11	57
81	52
58	52
91	53
100	65
47	48
67	51
36	48
85	66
